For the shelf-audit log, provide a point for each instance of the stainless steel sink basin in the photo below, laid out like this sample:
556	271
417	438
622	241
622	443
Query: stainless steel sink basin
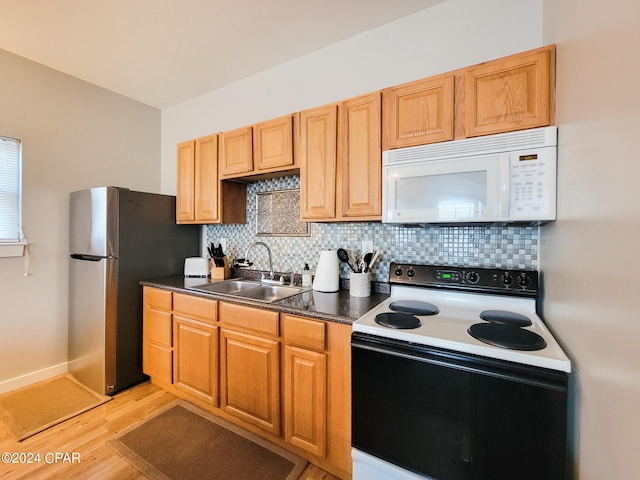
228	287
270	293
250	290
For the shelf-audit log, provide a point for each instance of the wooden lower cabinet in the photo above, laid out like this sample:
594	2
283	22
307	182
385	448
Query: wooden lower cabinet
196	358
250	379
317	388
157	338
306	399
284	377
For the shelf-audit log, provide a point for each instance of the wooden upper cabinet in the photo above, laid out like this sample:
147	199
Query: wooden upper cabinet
511	93
197	193
236	152
419	112
341	161
318	157
185	191
273	143
360	157
206	179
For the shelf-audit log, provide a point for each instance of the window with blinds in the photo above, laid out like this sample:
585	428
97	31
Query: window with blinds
10	190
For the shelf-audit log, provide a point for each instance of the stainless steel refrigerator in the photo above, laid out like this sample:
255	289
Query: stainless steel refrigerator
117	237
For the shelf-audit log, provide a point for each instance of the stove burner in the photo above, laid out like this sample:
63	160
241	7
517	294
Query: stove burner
503	317
397	320
507	336
414	307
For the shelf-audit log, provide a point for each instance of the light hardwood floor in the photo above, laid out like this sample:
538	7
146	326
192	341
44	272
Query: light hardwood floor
84	437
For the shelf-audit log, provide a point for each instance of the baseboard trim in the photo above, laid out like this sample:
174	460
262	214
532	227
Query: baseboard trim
34	377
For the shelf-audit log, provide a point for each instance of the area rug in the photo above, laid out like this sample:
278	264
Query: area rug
34	408
185	442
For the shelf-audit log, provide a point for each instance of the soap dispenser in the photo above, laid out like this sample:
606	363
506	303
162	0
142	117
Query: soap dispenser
306	276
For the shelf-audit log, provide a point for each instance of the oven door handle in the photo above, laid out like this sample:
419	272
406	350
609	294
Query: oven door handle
470	363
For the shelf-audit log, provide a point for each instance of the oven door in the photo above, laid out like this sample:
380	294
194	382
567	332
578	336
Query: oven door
452	416
460	190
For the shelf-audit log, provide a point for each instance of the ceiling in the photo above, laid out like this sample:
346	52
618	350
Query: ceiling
163	52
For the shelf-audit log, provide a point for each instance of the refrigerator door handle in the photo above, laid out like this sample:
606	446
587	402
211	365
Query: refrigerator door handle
91	258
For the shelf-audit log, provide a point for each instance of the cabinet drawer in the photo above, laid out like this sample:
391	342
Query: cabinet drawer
250	318
304	332
201	308
157	327
156	298
157	362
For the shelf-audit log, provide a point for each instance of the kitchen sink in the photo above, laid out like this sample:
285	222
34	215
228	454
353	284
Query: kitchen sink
228	287
271	293
250	290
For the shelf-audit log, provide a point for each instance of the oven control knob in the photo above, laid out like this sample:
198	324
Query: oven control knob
523	281
398	272
473	277
507	279
411	273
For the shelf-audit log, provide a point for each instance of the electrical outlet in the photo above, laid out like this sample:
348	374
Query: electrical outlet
223	242
367	246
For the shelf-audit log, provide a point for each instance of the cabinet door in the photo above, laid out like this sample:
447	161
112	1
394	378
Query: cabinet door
250	379
418	113
157	339
511	93
306	399
360	158
318	157
206	179
273	144
236	152
185	194
196	358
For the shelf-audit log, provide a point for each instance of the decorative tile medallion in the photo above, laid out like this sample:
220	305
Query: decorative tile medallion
278	214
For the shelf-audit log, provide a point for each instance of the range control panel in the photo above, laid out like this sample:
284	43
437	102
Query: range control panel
489	280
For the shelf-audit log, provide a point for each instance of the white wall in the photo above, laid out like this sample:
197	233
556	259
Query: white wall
75	135
590	255
450	35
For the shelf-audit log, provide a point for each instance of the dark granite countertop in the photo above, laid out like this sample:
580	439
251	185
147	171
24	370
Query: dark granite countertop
335	307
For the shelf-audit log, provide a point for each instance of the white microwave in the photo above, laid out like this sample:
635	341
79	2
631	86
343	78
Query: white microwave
503	178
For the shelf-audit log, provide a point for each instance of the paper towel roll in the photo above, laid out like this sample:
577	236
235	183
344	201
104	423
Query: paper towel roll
327	278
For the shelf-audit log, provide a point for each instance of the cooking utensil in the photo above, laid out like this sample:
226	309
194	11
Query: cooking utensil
367	261
373	259
353	260
343	255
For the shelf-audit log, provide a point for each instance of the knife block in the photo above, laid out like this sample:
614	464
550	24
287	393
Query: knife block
220	273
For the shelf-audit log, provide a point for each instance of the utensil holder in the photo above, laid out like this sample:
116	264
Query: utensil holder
360	284
220	273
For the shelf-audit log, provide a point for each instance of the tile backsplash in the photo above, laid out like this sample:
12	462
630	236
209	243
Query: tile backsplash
514	247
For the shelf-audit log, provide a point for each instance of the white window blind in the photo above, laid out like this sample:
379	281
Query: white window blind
10	190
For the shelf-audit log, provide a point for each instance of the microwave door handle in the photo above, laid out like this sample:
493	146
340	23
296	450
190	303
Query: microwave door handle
505	185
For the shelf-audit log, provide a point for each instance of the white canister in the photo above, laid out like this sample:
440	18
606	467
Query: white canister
327	277
360	284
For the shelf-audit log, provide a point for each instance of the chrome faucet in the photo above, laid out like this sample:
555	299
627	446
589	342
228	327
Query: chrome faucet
271	279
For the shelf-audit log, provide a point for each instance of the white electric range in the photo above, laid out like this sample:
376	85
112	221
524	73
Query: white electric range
454	367
460	296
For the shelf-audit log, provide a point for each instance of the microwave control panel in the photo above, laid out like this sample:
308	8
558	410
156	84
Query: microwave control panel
533	184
